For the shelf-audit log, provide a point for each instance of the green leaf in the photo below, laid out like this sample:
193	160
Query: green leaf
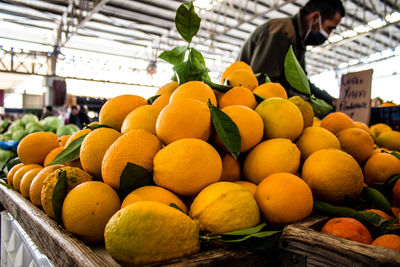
174	78
385	228
257	235
295	74
97	126
70	153
189	71
187	22
133	176
259	98
12	162
262	78
6	185
247	231
394	153
151	99
387	187
175	206
174	56
58	196
376	198
338	211
226	129
218	87
319	106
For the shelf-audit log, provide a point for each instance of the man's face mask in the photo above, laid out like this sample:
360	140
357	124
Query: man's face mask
315	38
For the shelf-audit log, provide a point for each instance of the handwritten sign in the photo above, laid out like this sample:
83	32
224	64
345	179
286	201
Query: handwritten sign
355	95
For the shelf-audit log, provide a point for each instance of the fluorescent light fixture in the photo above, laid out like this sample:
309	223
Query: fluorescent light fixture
394	17
349	34
362	28
377	23
335	38
343	65
353	62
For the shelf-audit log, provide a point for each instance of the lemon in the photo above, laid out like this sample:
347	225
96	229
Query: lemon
145	232
224	207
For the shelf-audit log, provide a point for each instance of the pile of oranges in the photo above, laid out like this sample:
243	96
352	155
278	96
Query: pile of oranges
287	159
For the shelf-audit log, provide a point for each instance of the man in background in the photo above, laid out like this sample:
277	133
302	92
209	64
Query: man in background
47	112
78	117
266	48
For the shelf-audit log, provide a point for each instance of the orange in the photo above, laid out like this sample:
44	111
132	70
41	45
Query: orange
63	139
242	77
282	118
363	126
35	189
27	180
249	186
52	155
383	214
144	117
316	122
379	167
11	173
336	121
167	88
379	128
332	174
136	146
249	123
306	110
114	111
154	193
94	147
77	135
20	173
388	241
162	100
74	176
87	208
396	193
269	157
268	90
176	121
357	143
238	96
231	169
284	198
234	66
315	138
347	228
389	140
186	166
194	89
34	147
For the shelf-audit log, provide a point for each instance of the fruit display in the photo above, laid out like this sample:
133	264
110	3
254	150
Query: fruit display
156	179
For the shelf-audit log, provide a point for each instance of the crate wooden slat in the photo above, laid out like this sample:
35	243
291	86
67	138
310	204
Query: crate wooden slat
64	249
305	243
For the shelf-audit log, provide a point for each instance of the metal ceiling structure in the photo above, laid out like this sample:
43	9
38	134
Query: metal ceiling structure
147	28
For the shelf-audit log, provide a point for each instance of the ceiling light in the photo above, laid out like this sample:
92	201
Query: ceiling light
343	65
362	28
377	23
349	34
394	17
353	62
335	38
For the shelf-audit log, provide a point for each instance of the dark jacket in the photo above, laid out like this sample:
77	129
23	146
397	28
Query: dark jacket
266	48
79	119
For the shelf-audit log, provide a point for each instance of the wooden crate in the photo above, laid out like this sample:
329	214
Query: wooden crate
302	244
64	249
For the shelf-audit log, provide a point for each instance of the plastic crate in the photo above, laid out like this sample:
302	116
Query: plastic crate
17	248
387	115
